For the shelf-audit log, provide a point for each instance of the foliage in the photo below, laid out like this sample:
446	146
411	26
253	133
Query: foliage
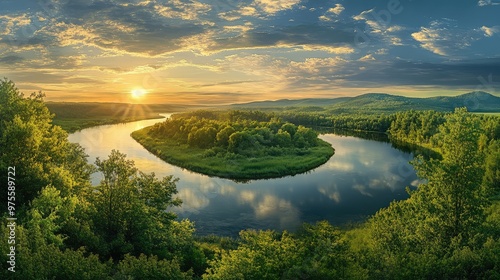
144	267
491	178
39	151
317	252
128	210
439	231
243	132
253	145
416	126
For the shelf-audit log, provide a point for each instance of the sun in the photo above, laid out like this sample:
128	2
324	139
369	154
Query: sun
138	93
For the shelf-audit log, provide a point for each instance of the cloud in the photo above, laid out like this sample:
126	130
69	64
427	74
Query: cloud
317	65
367	57
274	6
334	11
257	8
10	59
8	24
430	39
464	73
369	20
310	36
124	35
345	49
144	28
395	28
444	37
337	9
490	31
483	3
186	10
378	30
151	28
247	11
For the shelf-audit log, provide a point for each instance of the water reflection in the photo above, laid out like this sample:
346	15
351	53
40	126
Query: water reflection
362	176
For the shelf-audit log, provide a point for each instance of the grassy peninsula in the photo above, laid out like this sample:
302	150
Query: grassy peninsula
235	144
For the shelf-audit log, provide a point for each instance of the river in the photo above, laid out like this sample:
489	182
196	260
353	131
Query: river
362	177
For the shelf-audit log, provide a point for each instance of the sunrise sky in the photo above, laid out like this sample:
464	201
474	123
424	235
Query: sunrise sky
221	51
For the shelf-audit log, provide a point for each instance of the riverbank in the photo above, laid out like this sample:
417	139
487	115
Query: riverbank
295	161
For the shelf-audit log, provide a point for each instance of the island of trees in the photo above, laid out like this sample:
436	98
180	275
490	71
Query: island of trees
235	144
124	228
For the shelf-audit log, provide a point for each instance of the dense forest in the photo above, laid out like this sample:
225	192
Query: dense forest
243	132
66	228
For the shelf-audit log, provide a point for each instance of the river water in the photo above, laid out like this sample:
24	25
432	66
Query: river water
359	179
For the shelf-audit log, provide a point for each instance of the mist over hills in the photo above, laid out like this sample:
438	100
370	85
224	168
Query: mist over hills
477	101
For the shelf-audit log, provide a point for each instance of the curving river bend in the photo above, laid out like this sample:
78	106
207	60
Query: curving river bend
362	177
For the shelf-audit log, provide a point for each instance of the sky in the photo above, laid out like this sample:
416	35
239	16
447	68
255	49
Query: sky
222	51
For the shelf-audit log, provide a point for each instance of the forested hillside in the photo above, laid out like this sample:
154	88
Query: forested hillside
66	228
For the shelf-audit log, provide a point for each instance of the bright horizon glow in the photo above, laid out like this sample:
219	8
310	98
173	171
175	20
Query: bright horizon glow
138	93
224	52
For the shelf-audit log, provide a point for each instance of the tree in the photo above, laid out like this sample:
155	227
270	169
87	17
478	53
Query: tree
325	254
260	255
290	128
317	252
40	251
203	137
491	178
144	267
282	139
455	181
223	136
129	209
241	142
305	137
39	151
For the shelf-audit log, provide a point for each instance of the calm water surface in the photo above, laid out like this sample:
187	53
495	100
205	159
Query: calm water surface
362	177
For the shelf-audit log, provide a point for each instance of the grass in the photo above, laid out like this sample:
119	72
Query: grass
239	167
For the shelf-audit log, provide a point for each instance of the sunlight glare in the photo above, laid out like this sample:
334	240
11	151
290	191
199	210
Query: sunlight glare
138	93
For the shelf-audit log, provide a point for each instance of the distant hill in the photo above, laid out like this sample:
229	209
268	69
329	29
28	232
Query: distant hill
477	101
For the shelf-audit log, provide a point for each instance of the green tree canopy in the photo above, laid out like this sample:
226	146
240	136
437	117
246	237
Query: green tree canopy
39	151
129	209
